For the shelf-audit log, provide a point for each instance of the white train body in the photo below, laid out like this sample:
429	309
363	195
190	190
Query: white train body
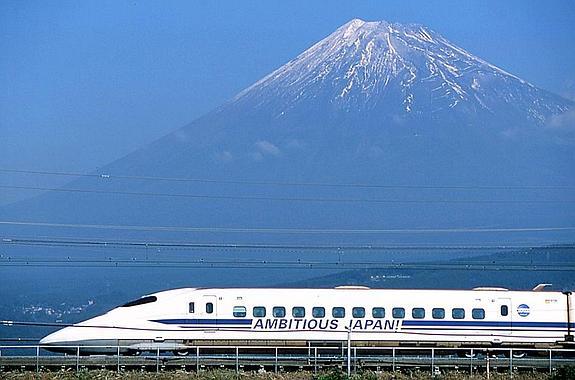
178	319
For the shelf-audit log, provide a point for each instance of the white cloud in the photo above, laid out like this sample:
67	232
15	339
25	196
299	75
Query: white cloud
267	148
564	121
225	156
511	133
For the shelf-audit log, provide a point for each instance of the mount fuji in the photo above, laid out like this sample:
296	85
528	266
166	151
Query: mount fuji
381	134
374	103
401	71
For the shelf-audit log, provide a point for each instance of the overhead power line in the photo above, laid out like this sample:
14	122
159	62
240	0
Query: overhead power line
59	242
107	176
288	230
283	199
18	339
295	265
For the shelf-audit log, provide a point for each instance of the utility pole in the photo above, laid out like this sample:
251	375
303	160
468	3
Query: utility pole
348	351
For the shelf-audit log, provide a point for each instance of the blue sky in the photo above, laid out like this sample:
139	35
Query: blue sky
86	82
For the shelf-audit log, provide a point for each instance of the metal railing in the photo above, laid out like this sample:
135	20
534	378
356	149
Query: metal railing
280	358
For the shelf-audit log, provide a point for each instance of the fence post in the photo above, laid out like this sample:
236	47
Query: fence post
158	360
432	361
393	359
511	363
78	359
550	363
118	355
315	360
197	360
237	361
487	364
276	361
37	358
471	362
348	352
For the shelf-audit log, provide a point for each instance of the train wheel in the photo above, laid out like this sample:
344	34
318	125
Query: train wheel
515	354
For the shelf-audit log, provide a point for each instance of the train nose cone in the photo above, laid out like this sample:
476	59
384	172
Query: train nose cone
58	337
58	341
48	339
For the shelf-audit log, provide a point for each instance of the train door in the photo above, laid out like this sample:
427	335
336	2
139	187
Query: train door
504	315
210	308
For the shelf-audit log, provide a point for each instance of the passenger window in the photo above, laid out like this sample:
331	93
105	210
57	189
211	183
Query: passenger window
504	310
458	313
239	311
259	311
191	307
358	312
298	312
378	312
209	308
338	312
478	314
418	313
398	312
438	313
318	312
279	311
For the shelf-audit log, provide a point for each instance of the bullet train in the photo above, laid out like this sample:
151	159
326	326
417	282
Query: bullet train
178	320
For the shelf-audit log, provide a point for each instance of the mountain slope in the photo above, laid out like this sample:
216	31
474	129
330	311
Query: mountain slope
372	94
373	103
542	262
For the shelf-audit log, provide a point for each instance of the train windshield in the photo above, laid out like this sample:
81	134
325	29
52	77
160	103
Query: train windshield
141	301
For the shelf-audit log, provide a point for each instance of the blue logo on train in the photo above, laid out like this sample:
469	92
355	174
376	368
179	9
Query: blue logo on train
523	310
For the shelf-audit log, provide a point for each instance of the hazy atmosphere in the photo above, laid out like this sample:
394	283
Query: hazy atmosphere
88	82
420	145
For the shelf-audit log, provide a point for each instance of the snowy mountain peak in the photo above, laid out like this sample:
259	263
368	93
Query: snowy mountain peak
400	68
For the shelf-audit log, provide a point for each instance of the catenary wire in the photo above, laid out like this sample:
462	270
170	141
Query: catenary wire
283	183
18	339
59	242
285	199
293	265
287	230
501	244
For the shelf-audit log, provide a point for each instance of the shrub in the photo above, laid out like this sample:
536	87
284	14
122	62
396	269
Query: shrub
564	373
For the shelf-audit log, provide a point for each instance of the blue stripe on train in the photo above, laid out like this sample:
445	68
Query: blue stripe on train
204	321
510	324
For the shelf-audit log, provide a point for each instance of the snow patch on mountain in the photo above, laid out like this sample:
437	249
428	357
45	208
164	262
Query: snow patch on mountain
407	68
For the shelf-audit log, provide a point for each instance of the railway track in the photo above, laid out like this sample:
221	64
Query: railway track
314	359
